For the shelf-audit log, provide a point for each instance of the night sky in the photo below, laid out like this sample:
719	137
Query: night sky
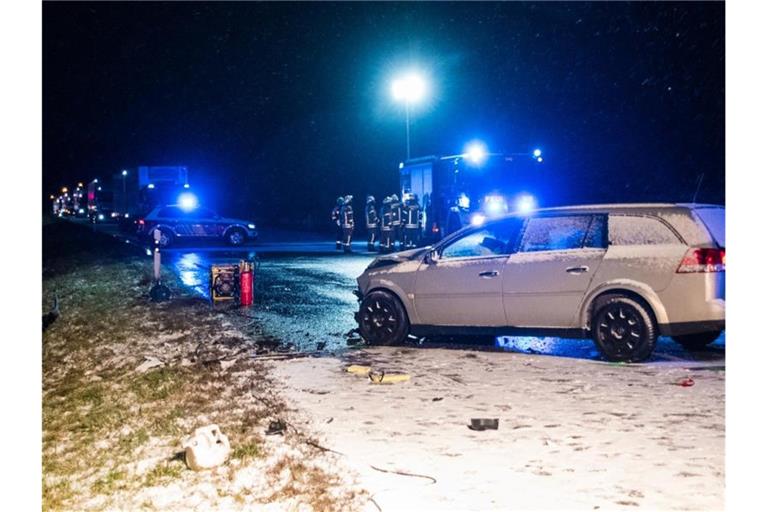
278	108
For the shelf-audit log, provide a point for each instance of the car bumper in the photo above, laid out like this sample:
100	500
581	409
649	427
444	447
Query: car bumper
683	328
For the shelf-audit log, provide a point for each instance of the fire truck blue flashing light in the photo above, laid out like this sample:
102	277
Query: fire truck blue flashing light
525	203
476	153
187	201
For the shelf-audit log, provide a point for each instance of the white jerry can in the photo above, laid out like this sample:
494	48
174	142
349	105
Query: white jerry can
206	448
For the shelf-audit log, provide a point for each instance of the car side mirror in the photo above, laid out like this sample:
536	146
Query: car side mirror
431	257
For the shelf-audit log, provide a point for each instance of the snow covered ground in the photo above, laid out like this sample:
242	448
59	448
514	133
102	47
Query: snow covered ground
573	434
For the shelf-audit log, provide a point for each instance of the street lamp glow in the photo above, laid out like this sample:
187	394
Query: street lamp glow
64	190
476	152
125	173
411	88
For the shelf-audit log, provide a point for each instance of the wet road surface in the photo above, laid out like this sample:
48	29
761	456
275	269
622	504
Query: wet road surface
303	295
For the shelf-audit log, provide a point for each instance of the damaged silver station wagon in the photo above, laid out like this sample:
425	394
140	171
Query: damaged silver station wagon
622	274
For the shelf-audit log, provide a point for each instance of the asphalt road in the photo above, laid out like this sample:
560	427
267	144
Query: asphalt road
303	295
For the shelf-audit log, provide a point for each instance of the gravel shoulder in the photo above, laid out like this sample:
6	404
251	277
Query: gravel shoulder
573	434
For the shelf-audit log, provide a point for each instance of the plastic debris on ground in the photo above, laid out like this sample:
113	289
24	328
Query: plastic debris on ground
207	448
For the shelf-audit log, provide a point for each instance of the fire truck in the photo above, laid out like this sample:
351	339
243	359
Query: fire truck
457	190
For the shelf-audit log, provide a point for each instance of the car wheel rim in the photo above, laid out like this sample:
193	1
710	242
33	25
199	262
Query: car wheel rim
236	238
379	319
164	239
620	329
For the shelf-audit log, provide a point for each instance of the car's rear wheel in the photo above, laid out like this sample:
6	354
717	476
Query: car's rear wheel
623	329
235	236
382	319
697	341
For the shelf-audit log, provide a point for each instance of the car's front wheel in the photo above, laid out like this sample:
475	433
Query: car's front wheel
382	319
235	237
697	341
166	237
623	329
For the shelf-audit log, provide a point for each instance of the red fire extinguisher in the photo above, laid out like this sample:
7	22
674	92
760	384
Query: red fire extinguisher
246	283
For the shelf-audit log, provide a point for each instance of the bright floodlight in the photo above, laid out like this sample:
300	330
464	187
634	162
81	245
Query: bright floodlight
536	153
476	153
125	173
187	201
410	88
525	203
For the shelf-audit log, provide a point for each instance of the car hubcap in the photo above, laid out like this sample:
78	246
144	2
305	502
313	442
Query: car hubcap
620	329
379	319
164	239
236	238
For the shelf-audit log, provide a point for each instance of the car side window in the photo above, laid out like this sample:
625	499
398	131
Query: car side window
555	233
491	240
597	234
639	230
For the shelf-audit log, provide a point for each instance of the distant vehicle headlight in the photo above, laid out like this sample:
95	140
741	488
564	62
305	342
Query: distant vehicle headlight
477	219
251	226
101	216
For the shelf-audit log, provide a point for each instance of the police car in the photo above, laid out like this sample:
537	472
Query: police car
177	222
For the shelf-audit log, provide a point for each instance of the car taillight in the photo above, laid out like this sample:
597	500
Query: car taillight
703	260
141	222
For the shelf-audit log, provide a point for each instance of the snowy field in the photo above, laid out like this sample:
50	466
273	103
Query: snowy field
573	434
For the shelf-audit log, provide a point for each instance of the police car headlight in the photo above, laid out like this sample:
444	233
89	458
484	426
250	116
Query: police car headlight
251	226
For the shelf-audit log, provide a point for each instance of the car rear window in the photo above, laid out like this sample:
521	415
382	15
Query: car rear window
639	230
714	218
555	233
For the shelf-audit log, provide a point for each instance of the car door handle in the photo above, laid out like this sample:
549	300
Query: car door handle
577	270
489	274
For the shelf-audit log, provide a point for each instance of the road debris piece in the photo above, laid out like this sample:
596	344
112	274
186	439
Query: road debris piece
686	382
480	424
388	378
358	369
208	447
275	428
149	363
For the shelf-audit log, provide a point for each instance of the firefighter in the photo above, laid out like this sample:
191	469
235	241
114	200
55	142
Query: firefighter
347	223
397	221
411	221
385	240
457	215
371	222
336	219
